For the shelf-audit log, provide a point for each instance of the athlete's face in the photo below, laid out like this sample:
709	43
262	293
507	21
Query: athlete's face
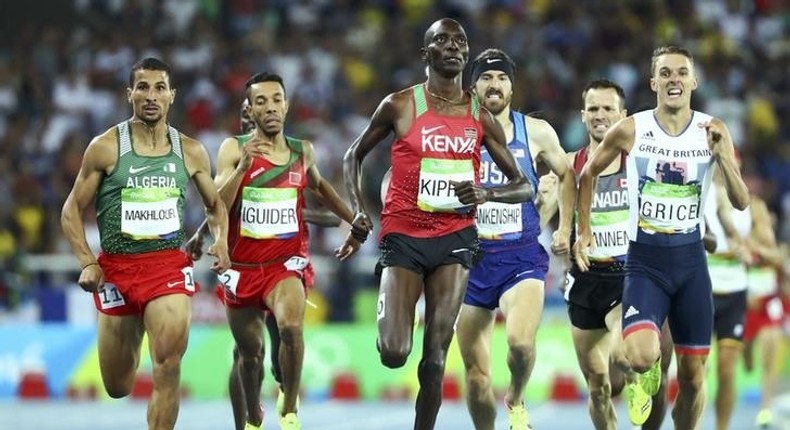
673	80
151	95
268	107
601	111
446	50
495	90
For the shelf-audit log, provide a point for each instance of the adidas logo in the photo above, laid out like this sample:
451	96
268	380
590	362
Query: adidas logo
648	135
631	312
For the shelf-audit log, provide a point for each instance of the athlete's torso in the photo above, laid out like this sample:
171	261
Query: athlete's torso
437	149
266	221
727	270
504	225
140	204
609	212
669	177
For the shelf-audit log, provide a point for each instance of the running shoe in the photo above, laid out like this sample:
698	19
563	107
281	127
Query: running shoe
290	422
640	404
281	402
764	418
518	417
651	380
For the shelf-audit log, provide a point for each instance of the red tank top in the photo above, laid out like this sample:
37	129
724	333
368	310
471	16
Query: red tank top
436	149
266	222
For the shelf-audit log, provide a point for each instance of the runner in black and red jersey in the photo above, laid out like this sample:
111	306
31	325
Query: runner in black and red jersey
263	174
319	217
428	238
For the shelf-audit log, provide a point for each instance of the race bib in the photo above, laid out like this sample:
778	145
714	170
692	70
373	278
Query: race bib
229	280
499	221
296	264
150	213
610	232
110	297
435	192
669	208
269	213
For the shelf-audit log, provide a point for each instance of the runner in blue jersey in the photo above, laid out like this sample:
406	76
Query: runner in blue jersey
510	276
671	150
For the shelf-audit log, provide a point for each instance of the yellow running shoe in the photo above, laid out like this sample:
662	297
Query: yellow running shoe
249	426
639	403
518	417
651	380
290	422
764	418
281	402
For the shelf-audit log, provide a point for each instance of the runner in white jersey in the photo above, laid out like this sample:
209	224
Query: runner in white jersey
727	268
670	152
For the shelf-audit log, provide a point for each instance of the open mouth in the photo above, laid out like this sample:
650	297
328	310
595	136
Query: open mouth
494	96
674	92
151	109
600	127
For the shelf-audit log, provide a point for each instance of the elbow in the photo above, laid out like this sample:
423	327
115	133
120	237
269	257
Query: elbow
741	202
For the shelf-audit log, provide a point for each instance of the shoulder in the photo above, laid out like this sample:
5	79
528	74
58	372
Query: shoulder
102	150
539	129
193	149
624	128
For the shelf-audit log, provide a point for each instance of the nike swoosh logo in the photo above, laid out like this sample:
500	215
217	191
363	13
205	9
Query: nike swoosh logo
492	60
431	130
134	170
456	251
173	284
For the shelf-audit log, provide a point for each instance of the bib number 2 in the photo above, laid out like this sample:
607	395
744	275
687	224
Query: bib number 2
229	280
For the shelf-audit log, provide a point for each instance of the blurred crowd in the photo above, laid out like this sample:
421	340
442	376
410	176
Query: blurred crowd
64	81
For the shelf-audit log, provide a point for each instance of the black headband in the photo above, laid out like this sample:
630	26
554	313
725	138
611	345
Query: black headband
483	65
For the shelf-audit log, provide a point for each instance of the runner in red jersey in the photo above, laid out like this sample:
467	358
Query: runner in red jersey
319	217
428	239
261	178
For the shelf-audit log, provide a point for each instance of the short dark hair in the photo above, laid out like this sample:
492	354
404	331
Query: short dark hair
668	49
602	84
263	77
508	67
150	63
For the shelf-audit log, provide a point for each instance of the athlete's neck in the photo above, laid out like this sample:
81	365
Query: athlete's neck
270	144
673	121
447	89
149	134
507	124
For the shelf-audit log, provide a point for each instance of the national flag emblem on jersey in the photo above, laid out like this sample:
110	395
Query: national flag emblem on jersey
170	167
623	182
294	178
470	133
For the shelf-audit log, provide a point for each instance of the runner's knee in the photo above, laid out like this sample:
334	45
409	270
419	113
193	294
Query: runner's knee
119	388
431	371
394	356
477	380
641	357
290	333
519	349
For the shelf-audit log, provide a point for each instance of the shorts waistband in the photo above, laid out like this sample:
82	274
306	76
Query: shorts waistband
166	255
268	263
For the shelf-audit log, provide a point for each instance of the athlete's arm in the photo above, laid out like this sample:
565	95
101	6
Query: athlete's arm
551	153
763	240
709	240
99	156
723	151
724	213
518	188
619	138
546	199
320	217
232	164
199	168
381	124
322	188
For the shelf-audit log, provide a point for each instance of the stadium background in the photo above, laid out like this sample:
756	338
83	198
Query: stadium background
63	72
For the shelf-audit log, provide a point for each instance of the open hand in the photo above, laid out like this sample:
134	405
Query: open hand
349	248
